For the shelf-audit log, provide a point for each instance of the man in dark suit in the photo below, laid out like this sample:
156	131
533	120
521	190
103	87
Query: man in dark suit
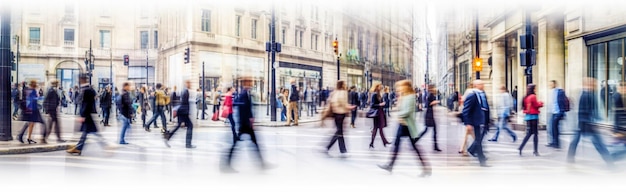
246	120
182	112
354	100
588	115
51	104
476	117
87	108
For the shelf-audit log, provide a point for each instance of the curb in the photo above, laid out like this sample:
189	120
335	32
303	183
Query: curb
38	149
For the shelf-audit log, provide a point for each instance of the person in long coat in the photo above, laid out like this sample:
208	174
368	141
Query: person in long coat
380	121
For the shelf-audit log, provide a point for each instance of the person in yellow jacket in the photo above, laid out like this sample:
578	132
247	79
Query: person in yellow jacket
407	127
162	100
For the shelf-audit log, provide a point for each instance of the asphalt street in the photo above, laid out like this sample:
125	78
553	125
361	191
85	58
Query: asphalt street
147	164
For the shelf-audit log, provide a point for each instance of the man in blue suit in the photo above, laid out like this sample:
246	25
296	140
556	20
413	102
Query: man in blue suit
476	117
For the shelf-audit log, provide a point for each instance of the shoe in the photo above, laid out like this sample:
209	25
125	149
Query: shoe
190	146
514	139
386	168
484	165
520	152
44	141
427	172
437	150
371	146
61	141
124	143
20	139
472	153
267	166
167	144
228	169
536	154
385	144
493	140
30	141
74	151
353	126
147	129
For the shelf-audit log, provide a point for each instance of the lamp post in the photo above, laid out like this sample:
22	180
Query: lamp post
5	74
203	92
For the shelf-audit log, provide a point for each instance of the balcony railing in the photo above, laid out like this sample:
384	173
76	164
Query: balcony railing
34	41
68	43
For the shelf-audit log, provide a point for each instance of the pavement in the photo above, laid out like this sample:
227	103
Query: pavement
298	163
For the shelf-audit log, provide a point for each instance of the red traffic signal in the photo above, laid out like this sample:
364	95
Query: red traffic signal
126	60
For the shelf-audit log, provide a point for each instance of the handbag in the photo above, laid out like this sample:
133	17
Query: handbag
224	112
372	113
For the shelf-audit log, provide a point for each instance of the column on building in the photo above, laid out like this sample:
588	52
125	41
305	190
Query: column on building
498	62
550	60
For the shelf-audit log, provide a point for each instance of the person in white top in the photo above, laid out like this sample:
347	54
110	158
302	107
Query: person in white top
504	113
339	108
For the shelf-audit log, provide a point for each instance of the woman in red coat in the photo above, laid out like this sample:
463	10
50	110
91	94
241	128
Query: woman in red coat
531	106
227	110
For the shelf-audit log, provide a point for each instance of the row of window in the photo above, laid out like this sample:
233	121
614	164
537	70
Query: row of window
105	37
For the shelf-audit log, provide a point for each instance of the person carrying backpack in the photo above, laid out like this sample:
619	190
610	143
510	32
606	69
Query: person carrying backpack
560	105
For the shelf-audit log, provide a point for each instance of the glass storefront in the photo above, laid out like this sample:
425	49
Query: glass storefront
356	80
304	78
606	61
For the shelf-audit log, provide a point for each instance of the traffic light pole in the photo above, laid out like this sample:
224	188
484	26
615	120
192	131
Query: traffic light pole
338	71
5	74
17	60
530	46
477	45
273	61
203	92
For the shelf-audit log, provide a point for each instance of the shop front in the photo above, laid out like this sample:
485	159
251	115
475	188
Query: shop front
305	75
606	66
356	78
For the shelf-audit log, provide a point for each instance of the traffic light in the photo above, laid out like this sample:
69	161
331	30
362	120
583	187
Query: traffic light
336	46
126	60
186	55
13	64
478	64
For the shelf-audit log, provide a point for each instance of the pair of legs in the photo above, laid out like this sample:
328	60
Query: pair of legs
30	126
502	124
586	129
54	121
467	134
434	128
338	134
161	113
531	131
183	118
403	131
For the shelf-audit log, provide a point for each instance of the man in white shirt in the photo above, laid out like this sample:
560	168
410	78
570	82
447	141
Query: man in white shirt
504	112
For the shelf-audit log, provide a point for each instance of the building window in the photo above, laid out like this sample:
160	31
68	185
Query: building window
34	35
463	76
312	40
68	37
360	42
253	28
606	65
301	35
316	38
368	44
351	41
156	39
206	20
295	41
105	39
238	25
284	36
144	39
